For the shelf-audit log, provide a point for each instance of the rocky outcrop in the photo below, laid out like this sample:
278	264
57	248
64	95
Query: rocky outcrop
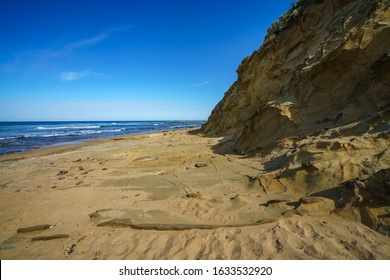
313	106
325	64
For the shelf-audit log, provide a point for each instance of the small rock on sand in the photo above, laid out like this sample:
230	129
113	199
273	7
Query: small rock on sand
311	199
193	195
146	158
69	250
49	237
273	201
32	228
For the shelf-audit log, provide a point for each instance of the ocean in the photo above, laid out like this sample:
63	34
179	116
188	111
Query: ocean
24	136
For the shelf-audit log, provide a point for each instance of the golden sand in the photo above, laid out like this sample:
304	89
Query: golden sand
166	195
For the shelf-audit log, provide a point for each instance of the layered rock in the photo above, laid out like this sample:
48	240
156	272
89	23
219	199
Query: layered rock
324	65
313	106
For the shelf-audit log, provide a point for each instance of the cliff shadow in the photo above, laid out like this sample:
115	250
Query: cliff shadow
195	131
225	145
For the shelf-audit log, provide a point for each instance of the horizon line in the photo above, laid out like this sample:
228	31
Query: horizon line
140	120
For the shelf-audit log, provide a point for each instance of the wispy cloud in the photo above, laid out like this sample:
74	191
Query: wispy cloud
200	84
95	39
72	76
86	41
34	62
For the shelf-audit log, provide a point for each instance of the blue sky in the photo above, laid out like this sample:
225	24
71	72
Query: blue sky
124	60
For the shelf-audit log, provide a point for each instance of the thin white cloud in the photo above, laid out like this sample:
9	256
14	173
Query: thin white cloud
95	39
87	41
34	62
200	84
72	76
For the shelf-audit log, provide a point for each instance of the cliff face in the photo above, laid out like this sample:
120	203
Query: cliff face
326	64
312	105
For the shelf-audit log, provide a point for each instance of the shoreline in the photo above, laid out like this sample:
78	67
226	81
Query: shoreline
69	146
164	195
21	137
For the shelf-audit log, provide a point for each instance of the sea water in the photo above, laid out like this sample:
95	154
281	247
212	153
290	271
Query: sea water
23	136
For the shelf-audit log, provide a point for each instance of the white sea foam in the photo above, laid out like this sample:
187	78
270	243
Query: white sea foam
75	133
7	138
17	137
68	127
50	128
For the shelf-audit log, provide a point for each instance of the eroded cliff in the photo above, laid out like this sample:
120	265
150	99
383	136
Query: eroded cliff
313	105
326	67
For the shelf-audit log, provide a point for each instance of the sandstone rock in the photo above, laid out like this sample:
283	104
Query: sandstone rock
49	237
274	201
311	199
312	73
320	207
313	105
32	228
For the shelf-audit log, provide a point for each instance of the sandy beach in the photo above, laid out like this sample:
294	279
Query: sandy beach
293	162
165	195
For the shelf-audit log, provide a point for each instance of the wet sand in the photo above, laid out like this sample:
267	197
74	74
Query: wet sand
165	195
